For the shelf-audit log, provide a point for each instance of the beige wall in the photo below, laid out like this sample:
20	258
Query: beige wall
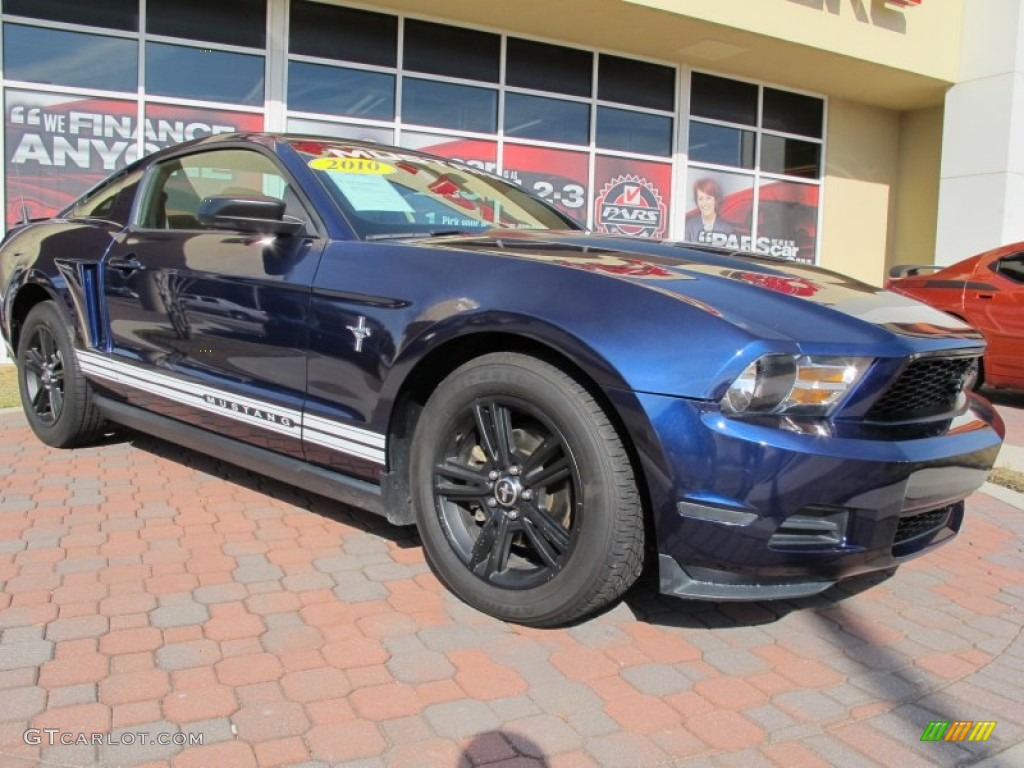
924	39
861	170
916	213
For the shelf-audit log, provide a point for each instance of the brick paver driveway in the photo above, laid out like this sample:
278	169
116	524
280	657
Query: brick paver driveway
152	594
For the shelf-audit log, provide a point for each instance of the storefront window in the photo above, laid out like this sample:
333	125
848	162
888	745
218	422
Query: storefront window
722	145
775	148
231	22
341	130
201	73
637	83
60	146
479	153
721	209
168	124
793	113
718	98
638	132
791	157
112	14
439	49
787	219
558	176
633	197
536	117
343	34
341	91
57	57
447	105
546	67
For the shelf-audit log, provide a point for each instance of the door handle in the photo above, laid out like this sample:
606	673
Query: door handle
125	264
985	296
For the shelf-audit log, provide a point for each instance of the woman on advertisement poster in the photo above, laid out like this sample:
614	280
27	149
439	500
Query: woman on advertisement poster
702	228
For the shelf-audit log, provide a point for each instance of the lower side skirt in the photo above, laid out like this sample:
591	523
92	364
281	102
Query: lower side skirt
341	488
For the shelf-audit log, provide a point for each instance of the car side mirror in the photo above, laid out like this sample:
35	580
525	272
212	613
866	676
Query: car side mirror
258	215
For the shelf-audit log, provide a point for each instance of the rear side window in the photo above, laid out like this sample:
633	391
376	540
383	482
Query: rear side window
102	202
1011	267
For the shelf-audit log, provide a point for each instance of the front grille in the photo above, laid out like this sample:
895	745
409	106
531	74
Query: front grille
927	387
922	524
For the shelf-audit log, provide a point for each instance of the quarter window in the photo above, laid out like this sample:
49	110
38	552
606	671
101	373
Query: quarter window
100	203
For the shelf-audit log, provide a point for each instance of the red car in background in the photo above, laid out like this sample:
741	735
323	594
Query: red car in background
986	291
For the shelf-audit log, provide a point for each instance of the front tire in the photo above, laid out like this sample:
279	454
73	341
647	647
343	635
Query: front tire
55	396
524	493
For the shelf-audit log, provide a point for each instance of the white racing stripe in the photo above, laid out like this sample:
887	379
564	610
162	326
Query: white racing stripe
353	441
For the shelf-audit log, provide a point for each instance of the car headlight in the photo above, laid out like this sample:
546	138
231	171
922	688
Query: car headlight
783	384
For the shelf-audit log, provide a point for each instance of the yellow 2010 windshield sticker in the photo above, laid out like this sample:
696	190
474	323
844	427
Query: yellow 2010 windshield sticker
362	166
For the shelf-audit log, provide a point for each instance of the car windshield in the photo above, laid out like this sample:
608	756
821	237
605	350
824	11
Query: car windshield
385	192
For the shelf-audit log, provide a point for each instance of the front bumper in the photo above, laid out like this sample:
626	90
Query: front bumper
745	511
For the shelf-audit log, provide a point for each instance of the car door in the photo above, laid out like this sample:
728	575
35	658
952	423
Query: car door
207	325
995	306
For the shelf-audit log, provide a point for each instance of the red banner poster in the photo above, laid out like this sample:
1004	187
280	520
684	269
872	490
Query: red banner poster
722	209
475	152
723	214
557	175
787	220
59	146
632	197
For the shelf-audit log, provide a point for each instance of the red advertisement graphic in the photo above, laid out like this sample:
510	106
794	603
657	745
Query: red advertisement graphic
723	215
58	147
475	152
787	217
632	197
557	175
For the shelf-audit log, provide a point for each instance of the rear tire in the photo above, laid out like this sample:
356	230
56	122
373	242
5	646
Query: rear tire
55	396
524	493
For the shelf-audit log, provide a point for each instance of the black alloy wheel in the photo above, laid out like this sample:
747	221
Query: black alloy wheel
43	372
55	396
524	494
507	492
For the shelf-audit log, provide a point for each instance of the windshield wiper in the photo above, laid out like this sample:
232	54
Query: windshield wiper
428	233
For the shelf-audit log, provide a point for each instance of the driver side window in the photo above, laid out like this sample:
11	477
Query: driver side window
178	186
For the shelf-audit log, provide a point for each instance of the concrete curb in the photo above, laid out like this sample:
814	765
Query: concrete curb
1013	498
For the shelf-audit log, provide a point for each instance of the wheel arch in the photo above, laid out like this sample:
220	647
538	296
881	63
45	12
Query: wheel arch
27	297
442	360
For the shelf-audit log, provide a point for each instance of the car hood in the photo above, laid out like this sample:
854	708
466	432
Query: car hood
745	289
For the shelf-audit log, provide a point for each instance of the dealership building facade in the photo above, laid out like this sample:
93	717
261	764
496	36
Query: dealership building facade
853	134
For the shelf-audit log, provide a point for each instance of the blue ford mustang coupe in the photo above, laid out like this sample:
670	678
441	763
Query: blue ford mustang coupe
550	407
